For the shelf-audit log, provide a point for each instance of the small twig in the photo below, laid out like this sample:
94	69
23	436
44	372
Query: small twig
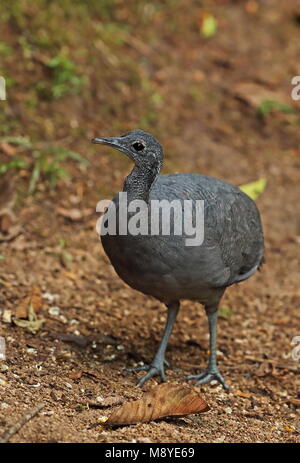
16	427
275	363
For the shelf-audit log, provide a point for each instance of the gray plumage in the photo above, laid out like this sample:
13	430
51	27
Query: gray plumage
164	266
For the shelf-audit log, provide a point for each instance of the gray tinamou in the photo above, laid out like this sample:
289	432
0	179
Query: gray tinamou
163	265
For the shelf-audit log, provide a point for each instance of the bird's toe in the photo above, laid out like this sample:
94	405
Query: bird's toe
208	376
138	368
152	370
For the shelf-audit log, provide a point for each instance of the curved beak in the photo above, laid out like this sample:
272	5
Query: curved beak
113	141
116	143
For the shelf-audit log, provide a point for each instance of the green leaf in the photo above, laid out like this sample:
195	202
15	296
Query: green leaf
16	163
268	106
19	141
34	178
209	26
225	313
254	189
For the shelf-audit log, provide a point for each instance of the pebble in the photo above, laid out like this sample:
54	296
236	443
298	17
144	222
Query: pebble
109	358
55	311
31	350
228	410
6	317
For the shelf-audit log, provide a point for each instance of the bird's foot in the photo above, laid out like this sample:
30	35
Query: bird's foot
155	369
209	375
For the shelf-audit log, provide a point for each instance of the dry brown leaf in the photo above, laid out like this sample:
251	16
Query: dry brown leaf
7	149
70	275
74	214
27	309
168	399
254	94
243	394
33	324
251	7
34	298
75	374
293	401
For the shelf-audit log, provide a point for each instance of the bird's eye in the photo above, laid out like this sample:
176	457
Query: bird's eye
138	146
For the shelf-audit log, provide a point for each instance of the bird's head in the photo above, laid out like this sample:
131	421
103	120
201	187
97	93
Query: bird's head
139	146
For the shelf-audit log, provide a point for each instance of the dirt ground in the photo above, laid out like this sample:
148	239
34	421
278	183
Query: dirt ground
206	96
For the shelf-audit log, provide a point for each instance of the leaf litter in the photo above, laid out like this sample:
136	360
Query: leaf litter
165	400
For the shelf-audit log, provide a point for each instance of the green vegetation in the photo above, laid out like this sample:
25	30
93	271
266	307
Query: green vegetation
268	106
46	165
64	79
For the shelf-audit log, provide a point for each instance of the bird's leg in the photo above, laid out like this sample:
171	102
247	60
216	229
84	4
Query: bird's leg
212	371
158	363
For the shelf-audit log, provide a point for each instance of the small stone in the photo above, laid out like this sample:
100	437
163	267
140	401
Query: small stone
228	410
54	395
220	440
31	350
6	317
48	413
110	358
50	297
3	368
54	311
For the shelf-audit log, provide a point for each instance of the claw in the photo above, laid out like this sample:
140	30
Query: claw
153	370
207	376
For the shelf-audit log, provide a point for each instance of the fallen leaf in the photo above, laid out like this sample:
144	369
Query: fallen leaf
70	275
294	401
207	25
34	298
74	214
33	324
168	399
243	394
7	149
251	7
254	189
26	312
288	428
264	369
75	374
255	95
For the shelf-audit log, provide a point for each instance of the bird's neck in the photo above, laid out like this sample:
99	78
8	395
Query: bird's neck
139	182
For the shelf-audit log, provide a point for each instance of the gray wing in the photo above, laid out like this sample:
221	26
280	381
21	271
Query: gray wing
233	238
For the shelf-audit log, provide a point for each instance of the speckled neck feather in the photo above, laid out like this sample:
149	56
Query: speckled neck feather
140	181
